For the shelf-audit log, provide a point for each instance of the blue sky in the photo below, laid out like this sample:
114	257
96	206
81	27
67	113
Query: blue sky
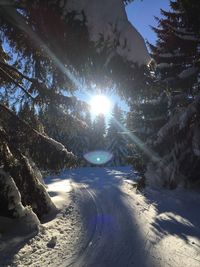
141	14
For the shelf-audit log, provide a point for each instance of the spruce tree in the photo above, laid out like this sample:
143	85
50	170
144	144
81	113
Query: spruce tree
146	118
52	54
176	51
192	9
116	141
177	55
99	130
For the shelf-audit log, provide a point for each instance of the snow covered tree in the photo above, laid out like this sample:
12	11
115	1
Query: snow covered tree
22	149
98	133
177	55
176	52
66	128
50	35
128	1
192	9
28	114
88	119
178	147
116	138
55	47
146	118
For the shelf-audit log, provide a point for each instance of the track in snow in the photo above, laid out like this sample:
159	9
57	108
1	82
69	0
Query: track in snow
112	237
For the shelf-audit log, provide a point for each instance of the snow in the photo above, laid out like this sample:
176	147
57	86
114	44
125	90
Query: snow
187	37
169	222
13	193
59	190
174	120
166	55
164	65
187	73
56	240
188	113
196	142
58	145
184	34
161	225
109	19
176	53
23	214
179	119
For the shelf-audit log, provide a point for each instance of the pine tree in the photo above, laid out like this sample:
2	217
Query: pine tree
63	127
192	9
20	146
80	144
98	134
176	52
177	55
28	114
116	141
52	54
88	119
146	118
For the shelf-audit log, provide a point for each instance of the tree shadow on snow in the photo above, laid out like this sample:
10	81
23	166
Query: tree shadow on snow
113	238
10	244
176	213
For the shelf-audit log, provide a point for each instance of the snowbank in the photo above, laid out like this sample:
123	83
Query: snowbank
13	203
56	241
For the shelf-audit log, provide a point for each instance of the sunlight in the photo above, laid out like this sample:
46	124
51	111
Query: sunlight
100	104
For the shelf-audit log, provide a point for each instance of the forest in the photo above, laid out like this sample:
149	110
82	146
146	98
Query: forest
50	50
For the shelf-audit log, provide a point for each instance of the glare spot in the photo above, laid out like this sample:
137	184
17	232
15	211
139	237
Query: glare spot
100	104
98	157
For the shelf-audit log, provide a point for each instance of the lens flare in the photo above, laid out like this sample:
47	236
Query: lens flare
100	104
98	157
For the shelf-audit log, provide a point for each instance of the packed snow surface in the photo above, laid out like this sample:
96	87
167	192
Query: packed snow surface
104	222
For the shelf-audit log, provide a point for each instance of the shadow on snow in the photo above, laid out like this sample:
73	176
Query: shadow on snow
113	235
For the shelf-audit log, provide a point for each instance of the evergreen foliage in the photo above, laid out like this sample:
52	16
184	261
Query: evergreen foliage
45	54
98	134
116	138
178	145
192	9
20	146
176	52
146	118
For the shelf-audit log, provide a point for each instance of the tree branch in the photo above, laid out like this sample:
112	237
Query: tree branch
16	70
16	83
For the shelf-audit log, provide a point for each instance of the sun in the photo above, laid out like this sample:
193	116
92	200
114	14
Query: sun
100	104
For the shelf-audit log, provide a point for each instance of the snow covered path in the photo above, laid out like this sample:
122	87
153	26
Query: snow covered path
123	228
104	222
112	231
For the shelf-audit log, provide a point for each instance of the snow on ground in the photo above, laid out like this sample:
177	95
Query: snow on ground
170	223
166	222
57	239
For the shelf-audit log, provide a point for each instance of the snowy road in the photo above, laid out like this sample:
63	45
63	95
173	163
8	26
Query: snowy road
113	236
122	228
103	222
